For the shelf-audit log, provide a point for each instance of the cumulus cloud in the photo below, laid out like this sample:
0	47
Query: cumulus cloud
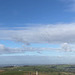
5	50
66	47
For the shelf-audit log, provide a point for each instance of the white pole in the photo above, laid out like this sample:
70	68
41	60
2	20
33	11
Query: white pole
36	72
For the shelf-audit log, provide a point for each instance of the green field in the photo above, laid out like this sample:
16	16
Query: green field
42	70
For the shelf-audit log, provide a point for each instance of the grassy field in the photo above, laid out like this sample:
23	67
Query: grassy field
42	70
33	73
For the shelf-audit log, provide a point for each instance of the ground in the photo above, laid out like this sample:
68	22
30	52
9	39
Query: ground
42	70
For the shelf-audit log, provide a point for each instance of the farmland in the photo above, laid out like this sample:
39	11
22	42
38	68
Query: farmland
42	70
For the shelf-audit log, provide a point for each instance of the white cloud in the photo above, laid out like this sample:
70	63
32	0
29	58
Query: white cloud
66	47
9	50
53	34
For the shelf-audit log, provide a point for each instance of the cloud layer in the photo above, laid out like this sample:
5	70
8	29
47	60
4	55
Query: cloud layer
9	50
59	33
51	34
35	60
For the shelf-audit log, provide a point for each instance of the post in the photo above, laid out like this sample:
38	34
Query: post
36	72
30	73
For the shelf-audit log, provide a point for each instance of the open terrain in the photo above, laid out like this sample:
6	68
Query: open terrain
41	69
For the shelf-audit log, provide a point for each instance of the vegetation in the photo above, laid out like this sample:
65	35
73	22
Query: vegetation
42	69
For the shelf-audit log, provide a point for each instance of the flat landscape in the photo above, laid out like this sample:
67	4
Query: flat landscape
41	69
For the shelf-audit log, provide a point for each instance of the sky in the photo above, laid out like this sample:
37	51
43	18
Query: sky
37	31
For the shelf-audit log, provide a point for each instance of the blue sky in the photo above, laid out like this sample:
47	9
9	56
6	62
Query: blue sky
19	13
40	28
